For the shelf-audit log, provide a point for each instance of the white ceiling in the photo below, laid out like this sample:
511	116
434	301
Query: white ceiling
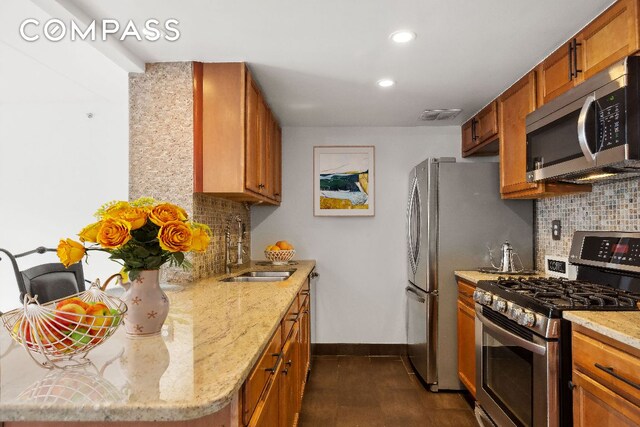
318	61
46	72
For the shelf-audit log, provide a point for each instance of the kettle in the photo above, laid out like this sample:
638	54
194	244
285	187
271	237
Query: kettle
507	255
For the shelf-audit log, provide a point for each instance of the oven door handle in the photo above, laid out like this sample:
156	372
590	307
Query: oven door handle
508	336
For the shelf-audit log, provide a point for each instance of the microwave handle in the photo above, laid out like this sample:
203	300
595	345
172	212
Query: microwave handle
582	128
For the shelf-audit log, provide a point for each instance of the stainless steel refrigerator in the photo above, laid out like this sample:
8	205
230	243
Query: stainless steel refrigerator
455	212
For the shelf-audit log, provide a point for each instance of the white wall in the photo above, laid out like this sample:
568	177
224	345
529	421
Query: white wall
361	261
56	167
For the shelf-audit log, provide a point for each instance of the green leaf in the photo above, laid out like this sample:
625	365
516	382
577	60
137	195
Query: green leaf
141	252
133	274
154	262
179	257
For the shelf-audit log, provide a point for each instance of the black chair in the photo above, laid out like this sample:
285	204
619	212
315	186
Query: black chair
48	281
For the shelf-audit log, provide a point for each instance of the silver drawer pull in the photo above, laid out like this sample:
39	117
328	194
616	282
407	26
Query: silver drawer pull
609	370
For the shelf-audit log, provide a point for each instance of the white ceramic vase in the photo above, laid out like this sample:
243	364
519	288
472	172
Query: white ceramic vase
148	305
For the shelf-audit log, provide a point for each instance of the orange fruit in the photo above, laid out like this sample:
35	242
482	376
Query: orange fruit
284	245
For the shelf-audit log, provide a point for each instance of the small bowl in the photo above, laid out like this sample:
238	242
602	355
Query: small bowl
280	257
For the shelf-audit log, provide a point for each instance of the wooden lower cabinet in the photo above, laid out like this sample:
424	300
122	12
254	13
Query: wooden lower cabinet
289	382
603	375
466	337
276	401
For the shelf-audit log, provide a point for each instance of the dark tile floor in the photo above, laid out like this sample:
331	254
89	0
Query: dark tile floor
353	391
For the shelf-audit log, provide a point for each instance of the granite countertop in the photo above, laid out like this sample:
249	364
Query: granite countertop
475	276
623	326
214	335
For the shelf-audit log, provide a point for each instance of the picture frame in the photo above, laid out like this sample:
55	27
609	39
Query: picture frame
344	180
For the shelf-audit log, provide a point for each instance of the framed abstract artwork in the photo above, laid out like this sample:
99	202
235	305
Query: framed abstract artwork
343	180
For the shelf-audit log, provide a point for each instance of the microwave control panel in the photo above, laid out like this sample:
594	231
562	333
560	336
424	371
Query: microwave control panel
611	119
613	250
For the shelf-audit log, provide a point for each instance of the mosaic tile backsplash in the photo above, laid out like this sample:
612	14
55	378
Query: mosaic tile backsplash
610	206
161	161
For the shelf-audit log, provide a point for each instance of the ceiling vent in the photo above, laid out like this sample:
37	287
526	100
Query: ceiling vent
437	115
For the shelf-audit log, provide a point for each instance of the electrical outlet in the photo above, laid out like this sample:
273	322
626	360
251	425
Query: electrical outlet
556	229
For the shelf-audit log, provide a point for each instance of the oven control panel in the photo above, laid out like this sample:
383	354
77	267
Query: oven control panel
612	250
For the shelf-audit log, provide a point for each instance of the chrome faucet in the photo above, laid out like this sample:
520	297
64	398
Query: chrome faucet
239	245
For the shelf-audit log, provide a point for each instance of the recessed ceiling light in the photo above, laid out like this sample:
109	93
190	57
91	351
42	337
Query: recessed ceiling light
402	36
385	82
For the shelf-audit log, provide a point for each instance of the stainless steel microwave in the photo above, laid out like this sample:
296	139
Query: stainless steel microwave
591	132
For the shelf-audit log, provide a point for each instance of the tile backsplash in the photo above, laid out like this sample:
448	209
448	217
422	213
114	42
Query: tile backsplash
610	206
161	161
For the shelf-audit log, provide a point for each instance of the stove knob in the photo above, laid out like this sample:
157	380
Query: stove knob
527	319
499	305
477	295
515	313
487	298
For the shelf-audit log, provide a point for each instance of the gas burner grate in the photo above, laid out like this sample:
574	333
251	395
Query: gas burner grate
564	293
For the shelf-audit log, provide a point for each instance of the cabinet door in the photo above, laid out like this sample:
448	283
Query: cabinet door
253	154
269	153
467	135
267	411
277	162
554	74
487	123
289	388
596	405
466	347
609	38
514	105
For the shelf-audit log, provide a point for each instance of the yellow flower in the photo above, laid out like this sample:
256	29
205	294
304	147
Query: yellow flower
114	233
116	208
166	212
175	236
90	232
137	217
69	251
201	237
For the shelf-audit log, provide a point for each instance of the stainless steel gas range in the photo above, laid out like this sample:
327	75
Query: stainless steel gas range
523	346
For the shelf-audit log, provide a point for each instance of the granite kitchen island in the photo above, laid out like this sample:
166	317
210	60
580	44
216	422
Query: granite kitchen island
214	335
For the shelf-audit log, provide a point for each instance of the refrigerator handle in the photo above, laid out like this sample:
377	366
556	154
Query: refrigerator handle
414	295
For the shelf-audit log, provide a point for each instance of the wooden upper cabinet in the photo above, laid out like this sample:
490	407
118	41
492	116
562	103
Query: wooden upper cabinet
479	134
255	110
277	162
467	135
234	155
487	123
514	105
609	38
554	76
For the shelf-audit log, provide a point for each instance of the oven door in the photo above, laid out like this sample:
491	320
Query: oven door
516	373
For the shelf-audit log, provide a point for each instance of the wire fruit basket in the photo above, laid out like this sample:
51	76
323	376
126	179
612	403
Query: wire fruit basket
60	330
280	257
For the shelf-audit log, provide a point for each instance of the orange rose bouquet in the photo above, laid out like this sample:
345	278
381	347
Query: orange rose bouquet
140	235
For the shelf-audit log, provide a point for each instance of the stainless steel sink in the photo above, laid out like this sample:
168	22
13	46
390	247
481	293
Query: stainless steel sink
261	276
286	273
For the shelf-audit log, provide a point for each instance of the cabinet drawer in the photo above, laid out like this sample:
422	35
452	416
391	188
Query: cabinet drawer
608	365
260	375
465	293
